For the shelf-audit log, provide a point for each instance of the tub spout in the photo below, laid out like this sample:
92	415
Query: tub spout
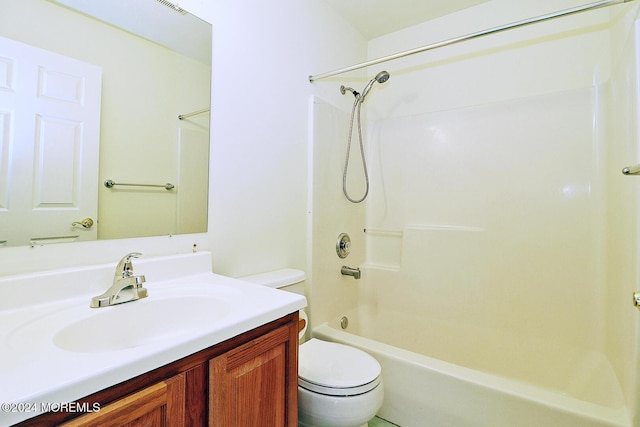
348	271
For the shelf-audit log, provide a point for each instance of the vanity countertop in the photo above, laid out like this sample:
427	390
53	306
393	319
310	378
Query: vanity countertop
54	348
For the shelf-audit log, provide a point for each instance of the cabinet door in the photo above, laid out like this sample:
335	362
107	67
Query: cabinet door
252	385
159	405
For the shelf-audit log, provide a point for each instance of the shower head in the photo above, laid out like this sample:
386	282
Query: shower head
381	77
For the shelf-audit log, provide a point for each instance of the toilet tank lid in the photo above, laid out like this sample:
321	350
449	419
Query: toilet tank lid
277	278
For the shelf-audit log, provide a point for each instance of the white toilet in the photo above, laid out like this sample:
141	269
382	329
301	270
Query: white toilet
338	385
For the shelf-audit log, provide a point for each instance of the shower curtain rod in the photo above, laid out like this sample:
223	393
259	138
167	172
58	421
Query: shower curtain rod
454	40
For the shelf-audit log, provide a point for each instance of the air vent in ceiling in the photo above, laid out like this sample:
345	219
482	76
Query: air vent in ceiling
172	6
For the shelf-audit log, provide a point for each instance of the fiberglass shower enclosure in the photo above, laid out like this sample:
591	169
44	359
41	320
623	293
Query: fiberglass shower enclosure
500	233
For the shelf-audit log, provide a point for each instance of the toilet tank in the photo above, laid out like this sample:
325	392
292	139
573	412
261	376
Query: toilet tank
287	279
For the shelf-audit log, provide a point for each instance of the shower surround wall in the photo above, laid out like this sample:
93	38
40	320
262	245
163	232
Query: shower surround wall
500	234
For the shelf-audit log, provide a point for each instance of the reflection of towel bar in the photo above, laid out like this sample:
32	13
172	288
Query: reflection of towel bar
194	113
631	170
109	184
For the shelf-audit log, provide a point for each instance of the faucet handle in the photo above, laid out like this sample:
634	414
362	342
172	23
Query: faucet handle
125	266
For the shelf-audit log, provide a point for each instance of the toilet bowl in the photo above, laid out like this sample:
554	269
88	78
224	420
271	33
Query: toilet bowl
338	385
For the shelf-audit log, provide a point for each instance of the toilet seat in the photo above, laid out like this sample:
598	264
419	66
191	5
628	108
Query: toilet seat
336	369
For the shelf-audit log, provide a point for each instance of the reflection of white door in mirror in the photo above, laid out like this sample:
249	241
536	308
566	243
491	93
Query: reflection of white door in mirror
49	143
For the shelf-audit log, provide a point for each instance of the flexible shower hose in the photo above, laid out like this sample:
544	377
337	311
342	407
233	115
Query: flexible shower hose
356	106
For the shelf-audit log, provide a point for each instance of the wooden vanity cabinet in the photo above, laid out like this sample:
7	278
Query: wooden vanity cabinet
162	404
248	380
247	384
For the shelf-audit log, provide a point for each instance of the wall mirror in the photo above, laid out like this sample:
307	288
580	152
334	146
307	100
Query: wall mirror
104	120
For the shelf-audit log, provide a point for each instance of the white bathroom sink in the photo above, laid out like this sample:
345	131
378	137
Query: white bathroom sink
55	348
167	316
143	322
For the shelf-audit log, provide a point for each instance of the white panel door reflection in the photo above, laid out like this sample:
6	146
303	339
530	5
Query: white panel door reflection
49	144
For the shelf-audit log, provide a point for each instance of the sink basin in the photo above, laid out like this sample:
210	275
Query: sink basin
140	323
167	317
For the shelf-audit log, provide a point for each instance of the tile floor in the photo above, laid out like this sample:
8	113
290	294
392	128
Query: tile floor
379	422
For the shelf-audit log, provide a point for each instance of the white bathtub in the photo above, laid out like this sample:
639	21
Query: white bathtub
428	392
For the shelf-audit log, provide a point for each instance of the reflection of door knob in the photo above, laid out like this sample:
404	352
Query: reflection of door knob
86	223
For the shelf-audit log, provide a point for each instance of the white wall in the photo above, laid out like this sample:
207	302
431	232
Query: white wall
623	335
263	54
333	294
547	57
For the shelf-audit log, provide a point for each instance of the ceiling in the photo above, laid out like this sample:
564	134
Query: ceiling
374	18
154	21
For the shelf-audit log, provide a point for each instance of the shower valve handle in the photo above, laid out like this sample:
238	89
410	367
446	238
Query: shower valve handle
343	245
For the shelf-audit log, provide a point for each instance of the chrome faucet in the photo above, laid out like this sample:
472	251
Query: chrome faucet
126	287
348	271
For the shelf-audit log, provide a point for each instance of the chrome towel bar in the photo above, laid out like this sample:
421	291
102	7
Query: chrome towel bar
631	170
110	184
194	113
